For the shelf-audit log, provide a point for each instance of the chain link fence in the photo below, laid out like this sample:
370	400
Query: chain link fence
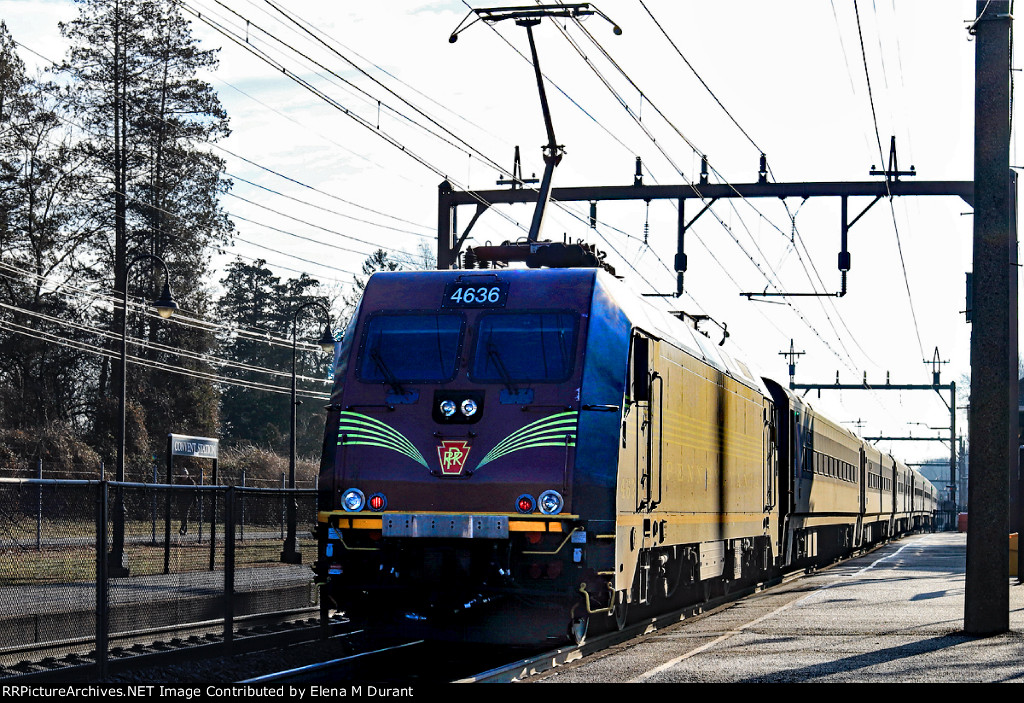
87	567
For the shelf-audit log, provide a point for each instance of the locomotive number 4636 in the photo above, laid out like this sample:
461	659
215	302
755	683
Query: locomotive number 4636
462	294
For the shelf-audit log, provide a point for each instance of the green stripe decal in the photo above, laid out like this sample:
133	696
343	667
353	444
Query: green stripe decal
359	429
558	430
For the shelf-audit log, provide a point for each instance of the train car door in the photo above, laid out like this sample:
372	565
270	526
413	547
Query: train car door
892	493
647	392
770	485
770	442
862	475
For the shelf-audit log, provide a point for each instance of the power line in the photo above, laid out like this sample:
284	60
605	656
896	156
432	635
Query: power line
181	317
698	76
142	343
881	156
775	284
329	211
71	123
99	351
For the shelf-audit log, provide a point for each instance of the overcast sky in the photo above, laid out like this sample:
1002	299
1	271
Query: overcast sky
785	78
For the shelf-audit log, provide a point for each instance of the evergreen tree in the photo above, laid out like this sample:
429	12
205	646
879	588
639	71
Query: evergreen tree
306	321
134	66
255	300
379	260
44	223
251	296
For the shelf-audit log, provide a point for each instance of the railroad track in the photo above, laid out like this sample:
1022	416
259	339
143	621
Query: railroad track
365	663
75	659
399	664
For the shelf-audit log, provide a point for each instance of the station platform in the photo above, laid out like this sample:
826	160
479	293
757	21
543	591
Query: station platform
893	616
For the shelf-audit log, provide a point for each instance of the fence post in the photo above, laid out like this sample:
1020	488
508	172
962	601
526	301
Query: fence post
152	539
39	508
199	502
241	510
213	517
214	481
167	509
102	604
282	504
229	566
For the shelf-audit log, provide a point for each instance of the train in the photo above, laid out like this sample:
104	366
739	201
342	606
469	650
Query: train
524	456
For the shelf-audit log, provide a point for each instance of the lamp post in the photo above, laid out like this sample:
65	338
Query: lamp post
290	554
165	306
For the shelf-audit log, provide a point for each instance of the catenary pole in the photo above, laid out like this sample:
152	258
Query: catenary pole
992	424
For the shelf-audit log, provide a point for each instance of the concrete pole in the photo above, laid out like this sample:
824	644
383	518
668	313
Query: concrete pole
993	416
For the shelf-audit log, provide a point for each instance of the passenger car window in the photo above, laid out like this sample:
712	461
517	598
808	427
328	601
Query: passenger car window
408	348
525	346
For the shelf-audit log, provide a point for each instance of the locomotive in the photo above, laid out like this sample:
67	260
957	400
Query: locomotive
522	455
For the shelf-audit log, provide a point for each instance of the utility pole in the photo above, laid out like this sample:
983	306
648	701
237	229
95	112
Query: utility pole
992	427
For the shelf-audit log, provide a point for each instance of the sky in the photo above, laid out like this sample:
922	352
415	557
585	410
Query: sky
819	86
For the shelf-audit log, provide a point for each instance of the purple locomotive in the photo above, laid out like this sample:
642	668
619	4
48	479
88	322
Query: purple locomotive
517	455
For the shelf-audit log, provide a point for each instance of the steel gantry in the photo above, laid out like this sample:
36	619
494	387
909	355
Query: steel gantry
450	242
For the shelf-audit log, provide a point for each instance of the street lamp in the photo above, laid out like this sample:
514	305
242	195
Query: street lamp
165	306
291	554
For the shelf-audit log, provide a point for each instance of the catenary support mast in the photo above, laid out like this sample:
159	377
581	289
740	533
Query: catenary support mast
993	418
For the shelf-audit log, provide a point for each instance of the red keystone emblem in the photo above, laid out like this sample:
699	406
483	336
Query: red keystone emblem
453	456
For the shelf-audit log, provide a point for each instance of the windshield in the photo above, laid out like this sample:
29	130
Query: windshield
410	348
528	346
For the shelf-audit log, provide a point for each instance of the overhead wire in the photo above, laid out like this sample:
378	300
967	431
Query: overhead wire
332	39
486	159
881	156
300	221
85	130
143	343
696	187
316	36
622	102
48	337
698	76
329	211
181	316
830	302
384	135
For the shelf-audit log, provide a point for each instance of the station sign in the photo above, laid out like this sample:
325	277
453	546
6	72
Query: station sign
202	447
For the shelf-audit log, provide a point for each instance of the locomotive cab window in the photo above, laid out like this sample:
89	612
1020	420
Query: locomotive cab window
525	346
410	348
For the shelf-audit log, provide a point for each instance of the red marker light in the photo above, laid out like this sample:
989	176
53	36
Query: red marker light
525	504
377	502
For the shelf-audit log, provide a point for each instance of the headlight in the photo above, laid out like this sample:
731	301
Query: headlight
353	500
447	408
550	502
468	407
525	503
